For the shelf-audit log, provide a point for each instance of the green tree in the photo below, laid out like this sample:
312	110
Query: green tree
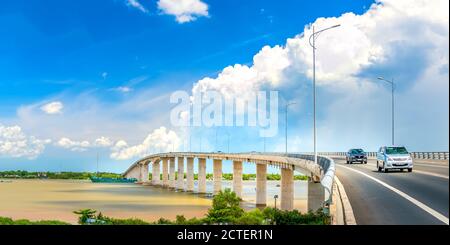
84	215
225	208
254	217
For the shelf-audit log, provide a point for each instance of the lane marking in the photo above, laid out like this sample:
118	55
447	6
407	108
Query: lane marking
416	171
430	173
430	165
419	204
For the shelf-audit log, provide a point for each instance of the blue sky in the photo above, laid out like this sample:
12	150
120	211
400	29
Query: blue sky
112	64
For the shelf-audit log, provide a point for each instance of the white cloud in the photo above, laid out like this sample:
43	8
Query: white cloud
183	10
401	39
103	142
15	143
136	4
104	75
73	145
123	89
83	145
159	140
53	107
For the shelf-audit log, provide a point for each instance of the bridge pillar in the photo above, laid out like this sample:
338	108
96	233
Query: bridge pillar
316	194
287	189
202	175
165	172
237	178
180	177
172	172
217	175
155	173
143	173
261	184
190	174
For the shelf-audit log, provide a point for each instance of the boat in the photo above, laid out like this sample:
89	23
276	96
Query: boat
96	179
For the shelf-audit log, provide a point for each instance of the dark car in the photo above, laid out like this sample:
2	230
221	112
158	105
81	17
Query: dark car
356	155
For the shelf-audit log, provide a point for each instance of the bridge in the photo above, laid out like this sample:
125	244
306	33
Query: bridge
353	194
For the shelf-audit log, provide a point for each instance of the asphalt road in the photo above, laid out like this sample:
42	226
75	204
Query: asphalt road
420	197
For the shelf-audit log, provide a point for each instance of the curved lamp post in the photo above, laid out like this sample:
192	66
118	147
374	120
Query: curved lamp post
312	42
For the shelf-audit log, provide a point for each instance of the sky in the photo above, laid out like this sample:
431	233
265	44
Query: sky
85	78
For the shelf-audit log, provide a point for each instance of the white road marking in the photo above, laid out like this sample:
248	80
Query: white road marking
431	174
418	171
419	204
430	165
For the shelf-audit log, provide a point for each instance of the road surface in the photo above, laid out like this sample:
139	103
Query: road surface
420	197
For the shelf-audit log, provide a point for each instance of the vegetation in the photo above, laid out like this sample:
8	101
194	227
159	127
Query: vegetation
225	210
228	176
9	221
20	174
55	175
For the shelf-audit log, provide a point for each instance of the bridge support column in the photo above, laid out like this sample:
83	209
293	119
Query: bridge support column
180	177
172	172
143	173
202	175
237	178
190	174
217	175
155	173
261	184
316	194
165	172
287	189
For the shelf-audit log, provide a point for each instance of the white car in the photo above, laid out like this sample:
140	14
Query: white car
394	157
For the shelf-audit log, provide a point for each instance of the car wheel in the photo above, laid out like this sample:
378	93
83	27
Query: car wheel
347	162
410	170
385	169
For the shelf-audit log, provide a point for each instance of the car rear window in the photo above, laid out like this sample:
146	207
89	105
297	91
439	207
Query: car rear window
356	151
396	150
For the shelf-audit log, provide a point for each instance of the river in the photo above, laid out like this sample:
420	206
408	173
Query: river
37	199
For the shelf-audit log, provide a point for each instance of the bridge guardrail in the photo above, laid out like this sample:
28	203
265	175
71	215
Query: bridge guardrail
327	167
438	155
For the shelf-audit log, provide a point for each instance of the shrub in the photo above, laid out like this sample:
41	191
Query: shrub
254	217
9	221
225	208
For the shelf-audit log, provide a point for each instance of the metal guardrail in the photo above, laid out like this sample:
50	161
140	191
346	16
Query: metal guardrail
416	155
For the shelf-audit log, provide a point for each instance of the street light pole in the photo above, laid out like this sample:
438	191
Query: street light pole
286	125
391	82
312	42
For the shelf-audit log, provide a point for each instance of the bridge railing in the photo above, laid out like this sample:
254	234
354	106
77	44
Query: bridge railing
327	169
415	155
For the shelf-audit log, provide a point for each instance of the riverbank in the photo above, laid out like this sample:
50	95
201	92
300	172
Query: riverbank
44	199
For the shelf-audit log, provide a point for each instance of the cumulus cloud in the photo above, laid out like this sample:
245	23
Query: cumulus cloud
53	107
15	143
183	10
159	140
136	4
402	39
73	145
83	145
103	142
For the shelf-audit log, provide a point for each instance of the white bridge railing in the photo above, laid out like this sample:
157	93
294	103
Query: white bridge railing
416	155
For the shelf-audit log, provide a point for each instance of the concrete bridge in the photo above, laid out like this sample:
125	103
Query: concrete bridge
320	183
